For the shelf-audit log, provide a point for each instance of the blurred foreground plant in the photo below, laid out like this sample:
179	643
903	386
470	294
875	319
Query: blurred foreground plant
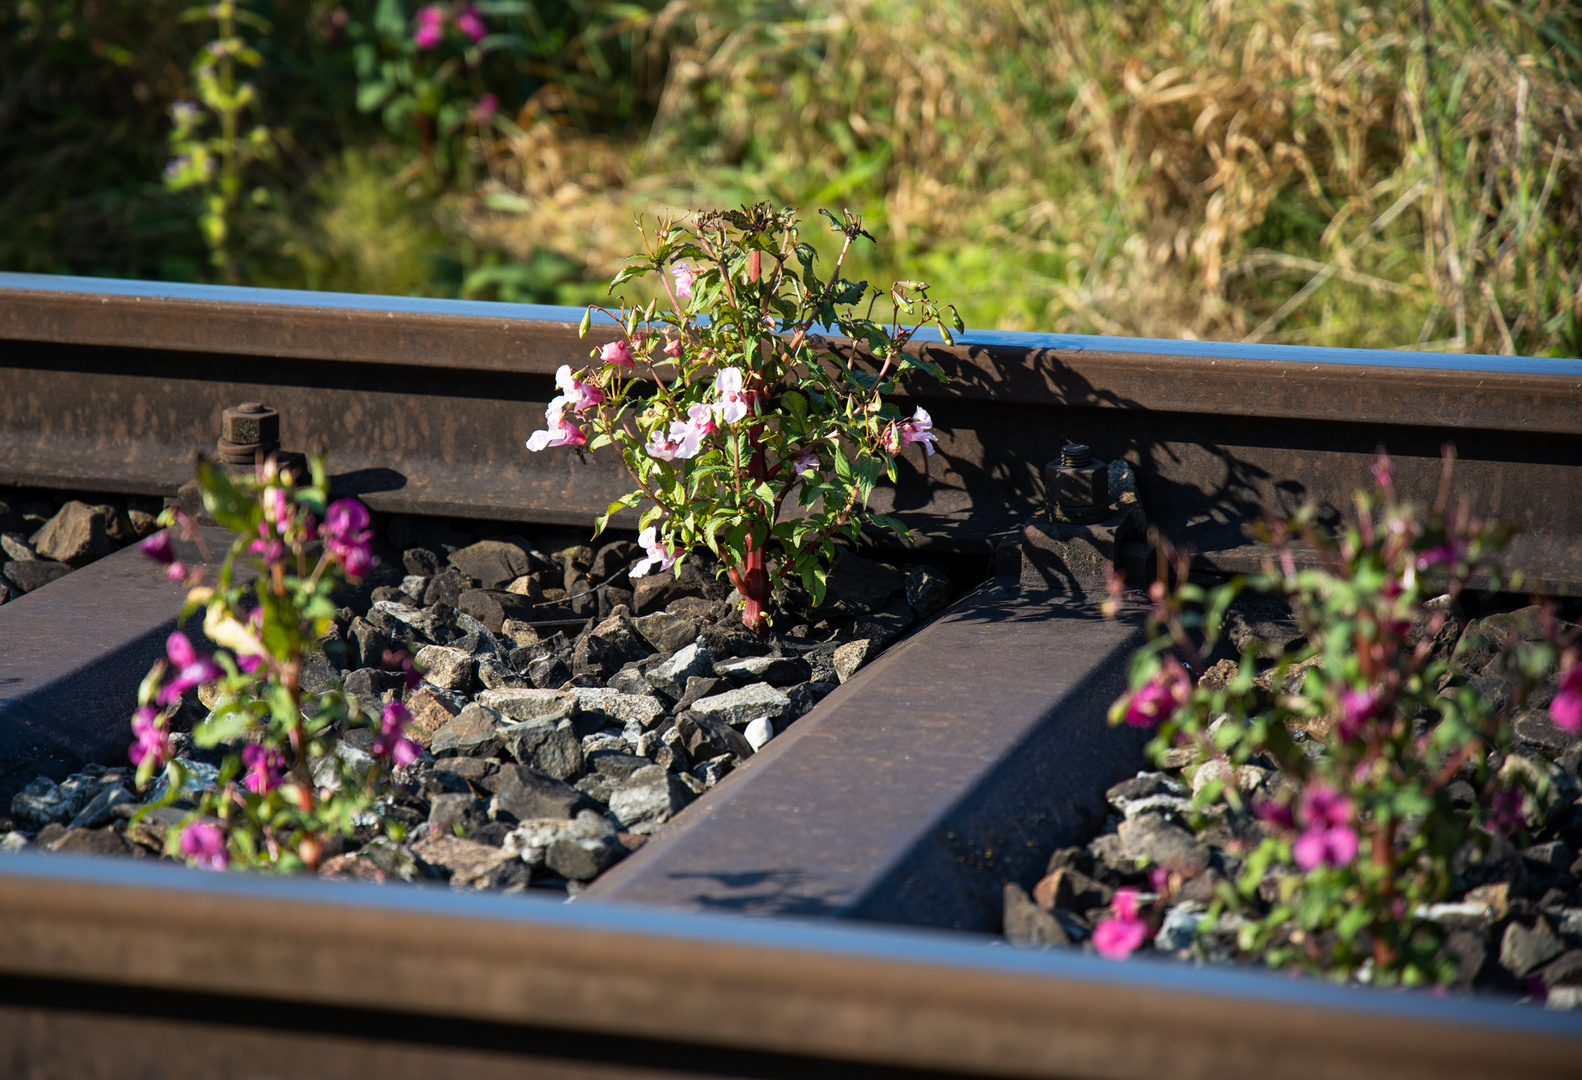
1389	763
286	784
742	407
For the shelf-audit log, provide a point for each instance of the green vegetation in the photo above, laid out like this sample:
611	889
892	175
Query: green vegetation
1312	171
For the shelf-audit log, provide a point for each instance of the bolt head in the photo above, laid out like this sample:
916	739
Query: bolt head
250	424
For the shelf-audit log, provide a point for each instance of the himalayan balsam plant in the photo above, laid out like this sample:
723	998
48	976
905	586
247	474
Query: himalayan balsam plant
743	433
211	152
289	785
1359	838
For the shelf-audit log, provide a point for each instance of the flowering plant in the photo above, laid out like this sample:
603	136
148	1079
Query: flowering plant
1387	760
741	429
288	782
215	159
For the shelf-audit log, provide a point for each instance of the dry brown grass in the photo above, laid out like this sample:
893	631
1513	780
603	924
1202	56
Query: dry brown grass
1200	168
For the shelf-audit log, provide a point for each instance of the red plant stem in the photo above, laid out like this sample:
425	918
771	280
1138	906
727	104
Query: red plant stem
752	577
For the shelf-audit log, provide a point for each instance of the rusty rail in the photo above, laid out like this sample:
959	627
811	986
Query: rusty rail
425	405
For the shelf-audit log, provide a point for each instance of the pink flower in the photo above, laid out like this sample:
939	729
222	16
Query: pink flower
153	740
158	548
391	742
1119	936
685	276
561	431
177	571
684	438
430	27
1162	696
673	348
618	353
249	664
1449	553
1327	838
277	508
345	533
1384	471
191	669
267	545
487	106
1505	810
470	24
1276	813
807	462
732	405
657	553
1357	707
919	429
1566	709
400	660
263	768
204	845
580	396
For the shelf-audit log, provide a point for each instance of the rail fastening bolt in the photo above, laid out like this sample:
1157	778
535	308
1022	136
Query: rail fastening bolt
246	431
1076	487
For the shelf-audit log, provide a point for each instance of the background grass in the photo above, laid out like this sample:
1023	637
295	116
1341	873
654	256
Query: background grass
1401	175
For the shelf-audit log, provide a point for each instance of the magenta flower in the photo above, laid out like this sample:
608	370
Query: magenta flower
277	508
618	353
153	740
657	553
158	547
1276	813
430	27
191	669
249	664
176	571
919	429
561	431
400	660
673	348
1327	838
1505	810
685	276
732	405
268	546
470	24
1163	695
345	533
1357	707
579	395
391	742
263	768
1566	709
1119	936
204	845
1449	553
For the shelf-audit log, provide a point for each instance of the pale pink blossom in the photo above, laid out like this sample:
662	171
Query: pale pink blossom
685	276
673	348
1384	471
561	431
618	353
662	554
204	845
919	429
732	405
153	738
807	462
484	111
1118	936
579	395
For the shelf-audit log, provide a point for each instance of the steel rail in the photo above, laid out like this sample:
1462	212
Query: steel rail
587	989
425	404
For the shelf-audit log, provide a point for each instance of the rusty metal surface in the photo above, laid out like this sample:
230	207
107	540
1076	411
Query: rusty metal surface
426	404
985	734
72	654
621	991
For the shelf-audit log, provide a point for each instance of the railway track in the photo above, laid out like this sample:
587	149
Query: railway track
957	753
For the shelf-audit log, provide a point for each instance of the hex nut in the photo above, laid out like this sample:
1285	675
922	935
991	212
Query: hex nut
250	424
1077	494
